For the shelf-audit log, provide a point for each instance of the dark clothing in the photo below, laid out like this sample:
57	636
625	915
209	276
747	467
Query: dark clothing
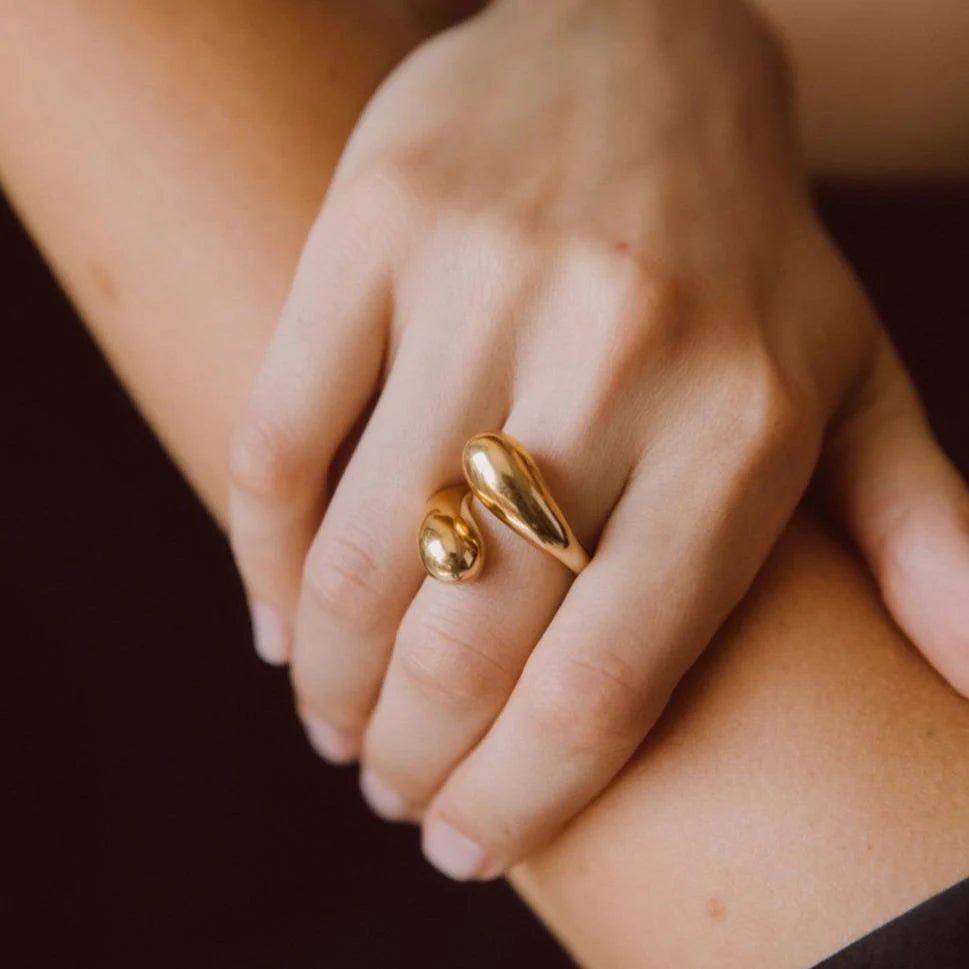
934	935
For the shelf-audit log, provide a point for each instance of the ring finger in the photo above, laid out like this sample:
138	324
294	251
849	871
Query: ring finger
460	649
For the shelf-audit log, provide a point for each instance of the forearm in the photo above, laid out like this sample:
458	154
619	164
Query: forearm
169	160
882	84
808	783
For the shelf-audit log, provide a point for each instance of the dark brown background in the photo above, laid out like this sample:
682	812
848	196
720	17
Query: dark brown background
159	805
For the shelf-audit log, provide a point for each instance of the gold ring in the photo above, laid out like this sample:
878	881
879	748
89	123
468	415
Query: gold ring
504	477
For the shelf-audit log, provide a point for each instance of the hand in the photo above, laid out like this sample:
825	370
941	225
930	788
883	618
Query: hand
584	223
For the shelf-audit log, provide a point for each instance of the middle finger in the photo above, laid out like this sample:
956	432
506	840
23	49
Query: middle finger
460	649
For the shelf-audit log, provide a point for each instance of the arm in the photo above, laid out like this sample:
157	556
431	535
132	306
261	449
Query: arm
96	90
812	736
173	203
882	85
808	784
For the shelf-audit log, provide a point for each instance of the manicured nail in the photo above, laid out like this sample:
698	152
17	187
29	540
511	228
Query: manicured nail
270	634
384	801
336	746
451	852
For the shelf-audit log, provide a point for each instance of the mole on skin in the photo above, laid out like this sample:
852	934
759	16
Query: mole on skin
716	909
104	284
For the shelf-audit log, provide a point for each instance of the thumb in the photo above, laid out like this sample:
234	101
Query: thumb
907	507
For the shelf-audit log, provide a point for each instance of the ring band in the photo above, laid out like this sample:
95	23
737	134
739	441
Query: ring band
504	477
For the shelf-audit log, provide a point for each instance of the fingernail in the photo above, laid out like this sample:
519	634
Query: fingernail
384	801
270	634
451	852
334	745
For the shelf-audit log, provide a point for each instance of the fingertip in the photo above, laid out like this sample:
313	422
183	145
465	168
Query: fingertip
456	855
386	802
271	634
927	588
338	747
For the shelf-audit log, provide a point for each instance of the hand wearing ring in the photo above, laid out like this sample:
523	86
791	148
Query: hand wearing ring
603	251
504	477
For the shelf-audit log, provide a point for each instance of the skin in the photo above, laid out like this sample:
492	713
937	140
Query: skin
882	93
648	302
808	783
185	310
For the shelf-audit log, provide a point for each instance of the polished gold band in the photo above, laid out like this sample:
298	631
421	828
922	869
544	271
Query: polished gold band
504	477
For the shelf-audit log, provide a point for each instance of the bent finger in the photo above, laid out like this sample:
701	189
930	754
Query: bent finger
907	507
320	371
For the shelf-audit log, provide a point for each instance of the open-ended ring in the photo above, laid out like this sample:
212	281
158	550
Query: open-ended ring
504	477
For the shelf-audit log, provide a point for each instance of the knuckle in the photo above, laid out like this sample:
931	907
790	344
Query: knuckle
264	460
642	326
344	579
443	661
493	253
649	319
590	706
627	266
776	419
379	200
644	305
390	183
504	243
404	182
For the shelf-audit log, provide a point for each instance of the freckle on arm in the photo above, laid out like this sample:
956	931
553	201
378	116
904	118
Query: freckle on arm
104	284
716	909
